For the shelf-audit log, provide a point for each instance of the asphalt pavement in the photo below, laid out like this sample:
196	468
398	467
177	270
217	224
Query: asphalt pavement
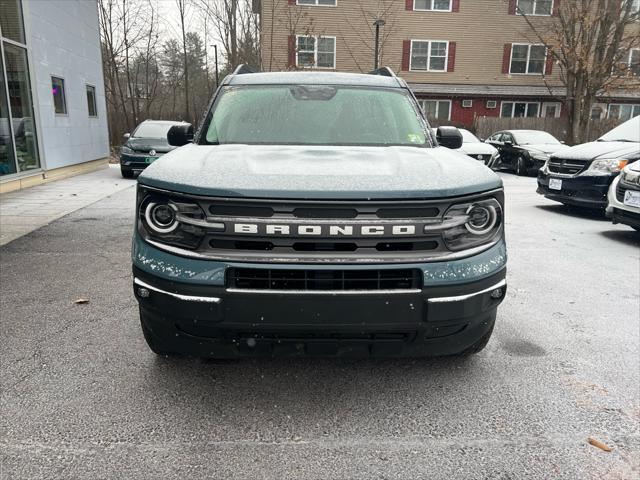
83	397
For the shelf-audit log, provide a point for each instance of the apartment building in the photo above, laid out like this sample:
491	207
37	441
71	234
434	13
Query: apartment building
53	119
462	58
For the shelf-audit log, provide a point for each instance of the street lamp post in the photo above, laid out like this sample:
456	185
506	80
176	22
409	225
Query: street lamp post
215	50
378	23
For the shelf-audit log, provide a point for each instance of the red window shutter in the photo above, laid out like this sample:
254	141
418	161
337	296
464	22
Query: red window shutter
406	55
455	6
292	50
506	58
556	8
408	5
512	7
292	2
548	69
451	62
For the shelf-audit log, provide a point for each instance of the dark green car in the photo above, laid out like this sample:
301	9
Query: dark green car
316	213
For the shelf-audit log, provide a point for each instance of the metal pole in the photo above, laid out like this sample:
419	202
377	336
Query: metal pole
215	48
378	23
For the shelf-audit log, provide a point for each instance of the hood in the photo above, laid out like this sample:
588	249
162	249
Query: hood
593	150
543	147
160	145
477	149
310	172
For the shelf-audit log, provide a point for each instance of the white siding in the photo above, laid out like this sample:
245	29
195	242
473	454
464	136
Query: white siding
64	41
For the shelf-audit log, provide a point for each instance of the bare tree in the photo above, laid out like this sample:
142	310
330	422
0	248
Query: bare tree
590	41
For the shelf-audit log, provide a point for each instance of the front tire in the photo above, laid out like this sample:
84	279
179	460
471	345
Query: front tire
156	344
521	167
478	346
126	172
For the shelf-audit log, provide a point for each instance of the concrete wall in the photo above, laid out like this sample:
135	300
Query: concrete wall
63	40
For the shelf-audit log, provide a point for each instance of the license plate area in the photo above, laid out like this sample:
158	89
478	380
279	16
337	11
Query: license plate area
263	311
632	198
150	159
555	184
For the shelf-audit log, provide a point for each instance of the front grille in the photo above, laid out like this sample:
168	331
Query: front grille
567	166
622	188
319	280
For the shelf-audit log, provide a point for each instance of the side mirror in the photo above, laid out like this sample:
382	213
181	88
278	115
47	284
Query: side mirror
180	135
449	137
508	143
127	136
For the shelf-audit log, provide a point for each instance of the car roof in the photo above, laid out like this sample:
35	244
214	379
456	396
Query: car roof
168	122
315	78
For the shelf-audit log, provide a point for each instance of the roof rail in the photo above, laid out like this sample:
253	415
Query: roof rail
384	71
243	68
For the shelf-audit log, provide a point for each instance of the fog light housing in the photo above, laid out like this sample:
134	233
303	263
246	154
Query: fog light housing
497	293
143	292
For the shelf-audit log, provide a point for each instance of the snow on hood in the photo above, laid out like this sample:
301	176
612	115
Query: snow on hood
547	148
319	172
477	148
593	150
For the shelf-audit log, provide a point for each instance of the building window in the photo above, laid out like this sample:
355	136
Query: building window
11	20
429	55
535	7
634	61
319	52
436	109
519	109
528	59
551	109
437	5
623	111
91	101
328	3
59	95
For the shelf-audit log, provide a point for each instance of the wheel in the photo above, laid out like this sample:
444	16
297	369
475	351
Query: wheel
126	172
478	346
521	167
155	343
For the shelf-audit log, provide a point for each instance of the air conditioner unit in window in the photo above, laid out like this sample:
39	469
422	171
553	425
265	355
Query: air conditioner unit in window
467	103
492	104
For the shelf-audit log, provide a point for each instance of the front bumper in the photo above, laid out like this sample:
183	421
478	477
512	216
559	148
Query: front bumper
584	191
135	162
618	212
201	317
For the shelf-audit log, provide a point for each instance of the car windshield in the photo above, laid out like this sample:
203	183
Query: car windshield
468	137
152	130
534	137
315	115
629	131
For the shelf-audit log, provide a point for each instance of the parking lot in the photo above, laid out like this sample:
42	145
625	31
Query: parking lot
83	397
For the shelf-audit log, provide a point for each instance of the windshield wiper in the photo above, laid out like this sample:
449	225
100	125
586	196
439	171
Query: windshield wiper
618	140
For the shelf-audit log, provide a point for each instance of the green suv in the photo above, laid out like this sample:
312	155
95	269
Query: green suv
317	213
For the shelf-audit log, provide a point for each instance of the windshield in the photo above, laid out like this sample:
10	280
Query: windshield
468	137
152	130
629	131
315	115
534	137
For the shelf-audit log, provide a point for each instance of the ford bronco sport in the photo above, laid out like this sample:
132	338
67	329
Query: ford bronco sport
316	213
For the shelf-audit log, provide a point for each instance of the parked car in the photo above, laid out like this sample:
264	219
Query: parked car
523	151
624	197
474	147
147	143
342	228
582	175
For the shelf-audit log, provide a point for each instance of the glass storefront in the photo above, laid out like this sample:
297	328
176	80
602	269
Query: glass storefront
18	141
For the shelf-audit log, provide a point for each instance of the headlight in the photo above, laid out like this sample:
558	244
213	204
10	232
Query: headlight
126	150
630	176
606	166
472	224
540	156
172	221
